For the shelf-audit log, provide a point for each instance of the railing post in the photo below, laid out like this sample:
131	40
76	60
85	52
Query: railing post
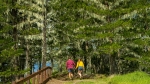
33	80
44	75
41	77
14	82
28	82
38	79
50	72
21	78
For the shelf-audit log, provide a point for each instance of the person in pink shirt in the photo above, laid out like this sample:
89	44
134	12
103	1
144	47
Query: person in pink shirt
70	65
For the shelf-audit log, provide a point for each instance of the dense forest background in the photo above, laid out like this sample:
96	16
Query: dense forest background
111	36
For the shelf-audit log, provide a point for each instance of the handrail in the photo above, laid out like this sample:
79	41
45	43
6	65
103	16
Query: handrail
40	77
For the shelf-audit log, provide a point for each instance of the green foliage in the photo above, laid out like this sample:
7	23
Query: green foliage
109	48
11	52
141	42
5	41
3	6
10	72
31	31
8	46
112	26
6	28
107	26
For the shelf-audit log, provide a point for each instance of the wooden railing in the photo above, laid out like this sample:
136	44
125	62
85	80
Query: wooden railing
40	77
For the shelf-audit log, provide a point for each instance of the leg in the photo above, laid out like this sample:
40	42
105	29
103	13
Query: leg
72	74
79	72
69	70
69	75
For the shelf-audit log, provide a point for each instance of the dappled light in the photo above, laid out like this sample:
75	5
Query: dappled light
74	41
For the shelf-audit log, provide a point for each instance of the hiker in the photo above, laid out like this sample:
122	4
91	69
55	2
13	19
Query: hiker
80	67
70	65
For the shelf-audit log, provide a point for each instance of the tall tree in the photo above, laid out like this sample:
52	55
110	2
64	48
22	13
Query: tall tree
44	43
7	50
107	22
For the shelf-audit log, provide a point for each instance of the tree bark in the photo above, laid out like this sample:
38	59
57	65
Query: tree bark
85	63
44	47
27	65
112	64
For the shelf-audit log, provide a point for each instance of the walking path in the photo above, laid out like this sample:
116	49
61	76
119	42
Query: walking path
90	79
55	81
77	81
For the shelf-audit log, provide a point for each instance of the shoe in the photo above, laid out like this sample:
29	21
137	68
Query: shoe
71	78
80	77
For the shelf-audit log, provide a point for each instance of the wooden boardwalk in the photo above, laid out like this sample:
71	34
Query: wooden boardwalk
39	77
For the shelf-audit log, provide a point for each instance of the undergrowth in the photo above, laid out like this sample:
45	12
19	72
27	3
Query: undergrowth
136	77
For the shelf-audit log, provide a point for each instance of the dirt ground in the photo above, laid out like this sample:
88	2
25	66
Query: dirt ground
56	81
63	79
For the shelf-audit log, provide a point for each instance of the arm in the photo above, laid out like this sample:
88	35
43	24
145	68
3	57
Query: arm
77	65
82	64
74	64
66	65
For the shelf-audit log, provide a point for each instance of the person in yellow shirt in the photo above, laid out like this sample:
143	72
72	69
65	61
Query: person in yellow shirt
80	67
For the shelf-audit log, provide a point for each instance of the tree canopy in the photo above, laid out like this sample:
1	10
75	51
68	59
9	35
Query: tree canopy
111	36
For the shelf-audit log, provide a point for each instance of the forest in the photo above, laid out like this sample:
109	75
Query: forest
111	36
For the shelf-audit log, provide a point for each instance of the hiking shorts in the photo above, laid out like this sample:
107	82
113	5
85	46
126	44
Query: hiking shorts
80	68
70	70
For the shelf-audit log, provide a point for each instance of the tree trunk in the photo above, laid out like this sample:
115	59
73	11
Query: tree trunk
60	65
15	59
44	47
40	64
90	65
146	22
52	62
13	13
27	65
112	64
85	63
